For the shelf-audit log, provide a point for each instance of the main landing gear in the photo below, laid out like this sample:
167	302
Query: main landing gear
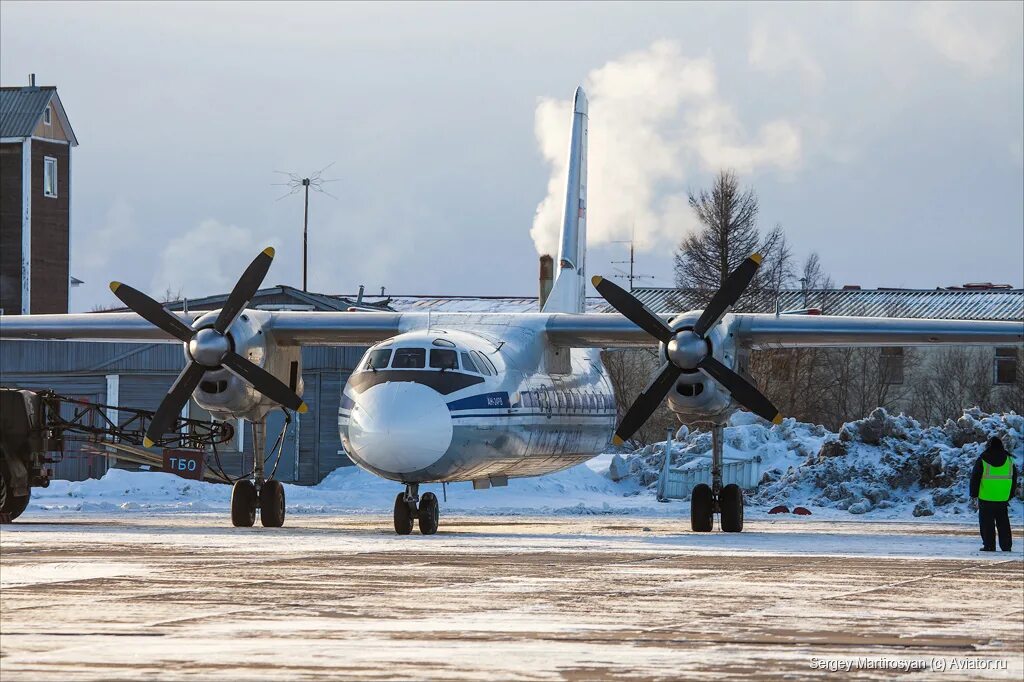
707	500
411	507
266	495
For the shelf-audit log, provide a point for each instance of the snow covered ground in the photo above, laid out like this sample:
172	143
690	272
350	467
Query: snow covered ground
881	467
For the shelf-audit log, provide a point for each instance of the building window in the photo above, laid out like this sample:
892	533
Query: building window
892	365
46	115
1006	366
50	176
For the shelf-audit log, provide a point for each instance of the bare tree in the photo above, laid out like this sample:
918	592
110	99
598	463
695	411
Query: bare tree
729	233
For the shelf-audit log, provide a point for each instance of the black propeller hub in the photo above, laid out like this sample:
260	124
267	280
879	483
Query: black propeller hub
209	347
686	350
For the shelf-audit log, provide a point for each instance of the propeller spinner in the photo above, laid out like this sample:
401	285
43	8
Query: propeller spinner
687	349
209	348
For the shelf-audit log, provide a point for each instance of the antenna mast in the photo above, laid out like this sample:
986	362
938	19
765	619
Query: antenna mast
632	276
296	182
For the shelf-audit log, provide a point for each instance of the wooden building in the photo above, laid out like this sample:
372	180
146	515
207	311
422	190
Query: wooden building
35	200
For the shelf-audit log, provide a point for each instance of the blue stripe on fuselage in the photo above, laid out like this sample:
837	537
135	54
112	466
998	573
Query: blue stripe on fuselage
483	401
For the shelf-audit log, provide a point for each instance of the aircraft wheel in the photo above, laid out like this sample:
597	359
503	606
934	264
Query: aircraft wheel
730	501
403	515
430	513
272	504
11	504
243	503
701	509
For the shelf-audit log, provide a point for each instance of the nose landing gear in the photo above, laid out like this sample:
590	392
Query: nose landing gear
706	500
410	507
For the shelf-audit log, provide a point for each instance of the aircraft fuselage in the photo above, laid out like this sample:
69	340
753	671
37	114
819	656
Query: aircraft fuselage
445	405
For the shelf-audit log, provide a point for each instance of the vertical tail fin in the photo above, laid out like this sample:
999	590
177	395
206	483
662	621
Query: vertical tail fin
569	292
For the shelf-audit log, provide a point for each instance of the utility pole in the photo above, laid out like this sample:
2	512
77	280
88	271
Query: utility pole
295	183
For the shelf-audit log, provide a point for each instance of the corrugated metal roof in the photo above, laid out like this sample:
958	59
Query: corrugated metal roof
21	109
941	304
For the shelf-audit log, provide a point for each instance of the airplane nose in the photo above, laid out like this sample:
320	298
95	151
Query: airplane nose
400	427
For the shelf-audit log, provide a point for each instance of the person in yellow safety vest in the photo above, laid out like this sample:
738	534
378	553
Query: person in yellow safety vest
993	483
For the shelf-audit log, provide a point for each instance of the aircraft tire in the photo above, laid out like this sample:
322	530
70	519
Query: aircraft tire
403	515
701	509
272	504
730	501
429	514
11	504
243	504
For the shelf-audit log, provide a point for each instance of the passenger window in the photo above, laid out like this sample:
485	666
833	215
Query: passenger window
378	359
444	359
467	363
409	358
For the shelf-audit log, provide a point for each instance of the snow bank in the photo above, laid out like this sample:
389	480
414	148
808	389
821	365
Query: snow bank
883	465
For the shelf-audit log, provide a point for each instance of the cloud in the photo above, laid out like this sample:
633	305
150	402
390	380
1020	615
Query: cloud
655	117
208	258
115	235
777	51
968	34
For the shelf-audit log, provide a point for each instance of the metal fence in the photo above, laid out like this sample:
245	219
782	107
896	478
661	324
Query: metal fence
677	484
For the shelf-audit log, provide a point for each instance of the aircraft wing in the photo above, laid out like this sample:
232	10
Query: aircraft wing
288	327
607	330
585	330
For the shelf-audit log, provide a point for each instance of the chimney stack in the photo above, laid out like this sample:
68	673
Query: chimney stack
547	278
31	80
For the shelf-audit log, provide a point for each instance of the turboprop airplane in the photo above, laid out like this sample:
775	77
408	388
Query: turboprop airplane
485	397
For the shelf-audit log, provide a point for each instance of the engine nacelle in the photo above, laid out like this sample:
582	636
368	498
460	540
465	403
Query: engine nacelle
696	396
225	395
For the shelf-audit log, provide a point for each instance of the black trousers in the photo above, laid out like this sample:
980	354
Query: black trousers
993	516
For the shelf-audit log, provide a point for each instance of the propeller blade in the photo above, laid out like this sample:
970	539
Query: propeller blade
248	284
171	406
152	311
735	284
264	382
745	393
630	307
646	403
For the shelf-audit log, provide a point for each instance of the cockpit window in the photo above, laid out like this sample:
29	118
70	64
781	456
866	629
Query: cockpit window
483	364
378	359
409	358
442	358
467	363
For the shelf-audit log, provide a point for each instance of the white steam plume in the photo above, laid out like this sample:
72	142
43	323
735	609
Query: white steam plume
654	115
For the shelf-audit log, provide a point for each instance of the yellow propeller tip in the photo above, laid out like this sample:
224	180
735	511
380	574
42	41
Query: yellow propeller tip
303	408
596	279
269	251
616	440
778	419
757	258
147	443
114	286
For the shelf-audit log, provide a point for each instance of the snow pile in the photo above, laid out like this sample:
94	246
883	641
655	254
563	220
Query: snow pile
882	463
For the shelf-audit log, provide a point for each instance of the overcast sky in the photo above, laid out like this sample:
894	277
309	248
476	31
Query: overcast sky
888	138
